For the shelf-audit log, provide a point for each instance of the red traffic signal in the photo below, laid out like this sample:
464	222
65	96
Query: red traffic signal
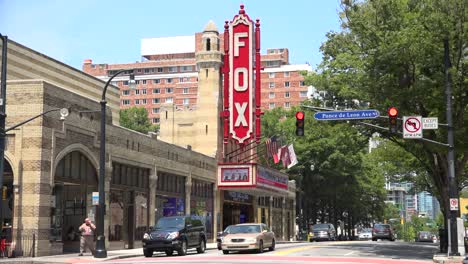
392	111
300	124
393	119
300	115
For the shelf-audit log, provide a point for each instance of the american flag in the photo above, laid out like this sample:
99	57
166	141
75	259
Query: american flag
272	146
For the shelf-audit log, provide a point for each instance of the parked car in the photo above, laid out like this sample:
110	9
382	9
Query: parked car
175	233
321	232
220	236
383	231
425	236
365	234
252	236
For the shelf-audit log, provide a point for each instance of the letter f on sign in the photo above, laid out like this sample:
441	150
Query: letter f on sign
238	43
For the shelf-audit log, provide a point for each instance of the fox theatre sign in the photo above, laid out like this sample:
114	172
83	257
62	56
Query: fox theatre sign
241	95
241	106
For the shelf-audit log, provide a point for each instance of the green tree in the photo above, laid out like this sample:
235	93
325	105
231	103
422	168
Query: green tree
391	53
136	118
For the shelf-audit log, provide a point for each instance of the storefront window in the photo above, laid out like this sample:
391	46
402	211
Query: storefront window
116	216
141	211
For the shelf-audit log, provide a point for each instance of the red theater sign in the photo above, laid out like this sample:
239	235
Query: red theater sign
241	77
241	95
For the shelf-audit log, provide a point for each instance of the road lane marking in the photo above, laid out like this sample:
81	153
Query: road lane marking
350	253
294	250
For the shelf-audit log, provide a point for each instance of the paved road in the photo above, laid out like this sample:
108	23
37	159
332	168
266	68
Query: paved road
363	252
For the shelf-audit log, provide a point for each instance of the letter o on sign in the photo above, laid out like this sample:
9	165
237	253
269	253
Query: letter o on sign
244	86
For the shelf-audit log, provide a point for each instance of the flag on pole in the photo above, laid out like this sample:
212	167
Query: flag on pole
292	156
272	146
284	155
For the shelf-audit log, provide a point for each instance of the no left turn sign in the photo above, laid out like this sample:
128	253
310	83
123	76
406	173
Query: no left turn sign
412	127
453	204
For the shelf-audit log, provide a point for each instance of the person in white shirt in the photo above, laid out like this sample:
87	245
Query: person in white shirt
87	236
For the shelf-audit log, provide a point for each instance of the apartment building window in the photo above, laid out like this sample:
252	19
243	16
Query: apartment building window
286	84
169	80
271	75
156	91
137	101
137	92
125	83
184	79
156	100
287	95
137	81
139	70
169	100
186	68
155	120
147	70
185	90
301	83
186	101
303	94
272	105
143	101
143	91
125	102
160	69
271	85
169	90
287	105
172	69
143	81
126	92
116	83
271	95
156	110
156	81
286	74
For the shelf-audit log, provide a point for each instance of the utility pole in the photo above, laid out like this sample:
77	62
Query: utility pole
453	190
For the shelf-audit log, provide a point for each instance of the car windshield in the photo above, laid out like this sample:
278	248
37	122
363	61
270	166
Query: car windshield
320	227
382	226
244	229
170	222
227	230
366	230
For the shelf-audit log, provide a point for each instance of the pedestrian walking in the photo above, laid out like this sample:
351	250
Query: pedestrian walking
87	236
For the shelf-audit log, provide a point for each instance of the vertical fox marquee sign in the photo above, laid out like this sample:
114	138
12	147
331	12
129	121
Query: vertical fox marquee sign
241	96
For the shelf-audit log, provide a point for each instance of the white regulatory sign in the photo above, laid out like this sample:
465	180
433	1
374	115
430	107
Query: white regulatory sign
430	123
412	127
453	204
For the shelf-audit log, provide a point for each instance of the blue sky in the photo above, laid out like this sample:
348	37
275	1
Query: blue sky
110	31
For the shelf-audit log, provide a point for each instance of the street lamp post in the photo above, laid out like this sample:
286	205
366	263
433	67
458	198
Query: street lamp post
101	251
2	120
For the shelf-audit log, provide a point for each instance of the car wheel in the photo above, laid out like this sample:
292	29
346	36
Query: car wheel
169	252
182	251
225	252
260	247
202	247
272	248
148	253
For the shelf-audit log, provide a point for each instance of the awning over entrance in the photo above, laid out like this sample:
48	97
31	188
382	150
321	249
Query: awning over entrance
253	179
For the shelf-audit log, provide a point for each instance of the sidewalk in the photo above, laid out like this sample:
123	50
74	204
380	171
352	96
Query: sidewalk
88	258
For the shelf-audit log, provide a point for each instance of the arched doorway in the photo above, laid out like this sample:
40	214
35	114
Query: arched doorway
75	180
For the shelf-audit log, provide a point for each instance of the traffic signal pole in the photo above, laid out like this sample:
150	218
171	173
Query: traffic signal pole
453	189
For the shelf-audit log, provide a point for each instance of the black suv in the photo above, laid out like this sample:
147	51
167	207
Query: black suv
175	233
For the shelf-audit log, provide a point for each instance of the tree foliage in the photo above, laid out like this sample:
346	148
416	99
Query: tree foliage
335	177
391	53
136	118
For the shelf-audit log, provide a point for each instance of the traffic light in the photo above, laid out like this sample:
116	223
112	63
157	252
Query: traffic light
392	119
300	124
